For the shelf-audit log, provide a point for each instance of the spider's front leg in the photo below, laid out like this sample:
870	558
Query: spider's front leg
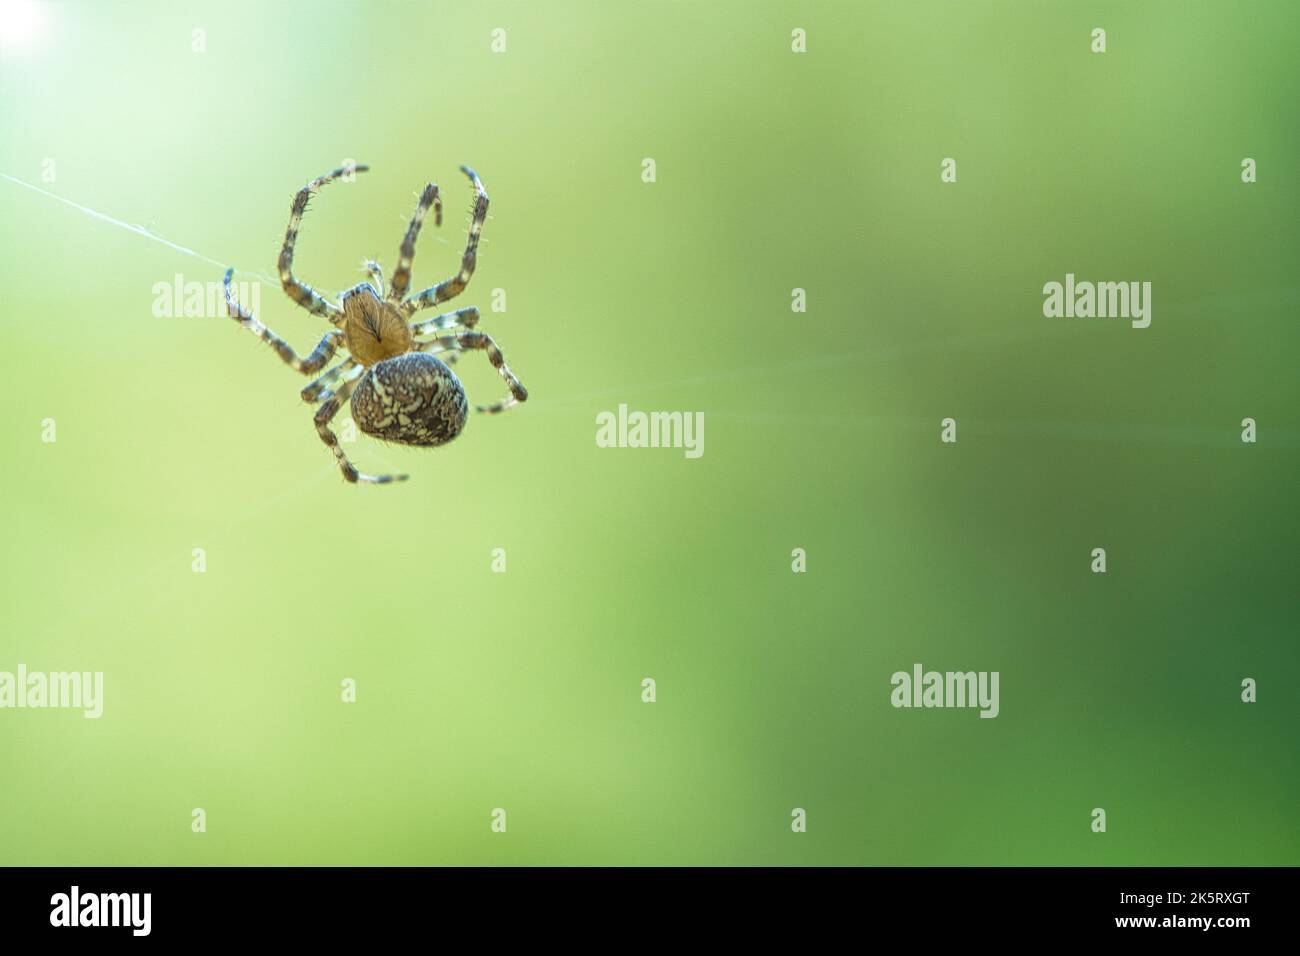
456	284
314	362
471	341
406	255
323	417
376	273
300	292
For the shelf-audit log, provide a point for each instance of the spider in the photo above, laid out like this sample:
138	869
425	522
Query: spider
400	390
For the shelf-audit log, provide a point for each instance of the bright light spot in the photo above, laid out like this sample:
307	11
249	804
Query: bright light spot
20	20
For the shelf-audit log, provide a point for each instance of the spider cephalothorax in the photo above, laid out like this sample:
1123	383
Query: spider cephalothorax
400	390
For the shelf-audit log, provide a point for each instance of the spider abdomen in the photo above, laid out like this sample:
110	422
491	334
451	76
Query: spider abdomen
413	399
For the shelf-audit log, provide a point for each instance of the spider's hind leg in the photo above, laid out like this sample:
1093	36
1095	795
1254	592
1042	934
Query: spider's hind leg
323	417
320	388
470	341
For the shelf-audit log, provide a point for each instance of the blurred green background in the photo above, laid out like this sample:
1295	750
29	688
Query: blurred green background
522	690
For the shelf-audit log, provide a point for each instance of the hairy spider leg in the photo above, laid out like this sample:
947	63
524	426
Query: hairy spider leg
320	388
452	287
472	341
376	273
406	254
303	294
464	318
325	414
314	362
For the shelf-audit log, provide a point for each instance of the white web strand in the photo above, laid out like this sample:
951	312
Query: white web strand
138	230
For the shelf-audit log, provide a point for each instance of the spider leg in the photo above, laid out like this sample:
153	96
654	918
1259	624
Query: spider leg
471	341
322	419
466	318
461	318
303	294
446	348
376	273
452	287
314	362
320	388
406	255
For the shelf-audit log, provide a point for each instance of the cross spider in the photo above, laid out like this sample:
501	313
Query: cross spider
400	390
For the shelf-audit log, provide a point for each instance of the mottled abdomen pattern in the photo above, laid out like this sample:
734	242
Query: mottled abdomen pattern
413	399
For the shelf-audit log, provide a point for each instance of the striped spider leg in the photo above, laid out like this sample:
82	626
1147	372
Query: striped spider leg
480	341
326	413
314	362
376	273
461	318
394	370
300	292
449	288
406	254
322	388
